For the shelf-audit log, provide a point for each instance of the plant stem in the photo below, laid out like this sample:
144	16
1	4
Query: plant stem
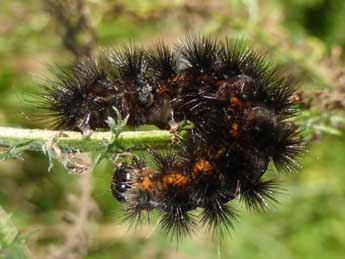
35	138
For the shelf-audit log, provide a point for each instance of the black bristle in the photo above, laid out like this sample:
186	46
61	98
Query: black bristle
162	62
260	194
234	55
199	54
282	93
81	97
288	146
218	218
270	85
137	211
177	222
164	161
129	60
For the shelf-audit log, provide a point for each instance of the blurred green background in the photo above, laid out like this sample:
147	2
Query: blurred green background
307	36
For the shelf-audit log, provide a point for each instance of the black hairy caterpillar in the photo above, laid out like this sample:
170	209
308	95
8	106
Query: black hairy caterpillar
83	97
240	107
232	92
190	178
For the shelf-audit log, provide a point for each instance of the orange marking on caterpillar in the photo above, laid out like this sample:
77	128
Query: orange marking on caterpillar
234	131
235	102
147	184
147	180
174	178
219	153
202	166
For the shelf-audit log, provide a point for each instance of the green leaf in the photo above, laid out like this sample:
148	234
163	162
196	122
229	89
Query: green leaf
116	127
15	152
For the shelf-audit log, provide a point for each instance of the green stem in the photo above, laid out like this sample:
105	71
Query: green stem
35	138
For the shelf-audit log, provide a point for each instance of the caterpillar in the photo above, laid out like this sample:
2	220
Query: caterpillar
190	178
239	104
82	97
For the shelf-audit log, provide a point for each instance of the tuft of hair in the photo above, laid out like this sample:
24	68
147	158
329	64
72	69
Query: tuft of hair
259	195
164	161
177	222
137	210
193	147
203	112
73	100
218	218
287	148
162	62
281	90
234	56
199	54
129	60
270	85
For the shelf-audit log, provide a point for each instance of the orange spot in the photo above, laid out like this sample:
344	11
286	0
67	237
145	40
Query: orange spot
146	180
174	178
219	153
235	102
147	183
234	130
202	166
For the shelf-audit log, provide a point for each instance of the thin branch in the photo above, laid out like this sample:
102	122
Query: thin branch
97	141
